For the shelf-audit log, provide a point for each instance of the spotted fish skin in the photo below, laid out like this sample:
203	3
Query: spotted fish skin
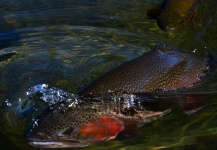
162	68
84	124
89	122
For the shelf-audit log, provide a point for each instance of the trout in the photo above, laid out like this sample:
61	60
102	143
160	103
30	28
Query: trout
88	121
161	69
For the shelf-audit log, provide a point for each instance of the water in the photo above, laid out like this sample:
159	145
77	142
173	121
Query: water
69	43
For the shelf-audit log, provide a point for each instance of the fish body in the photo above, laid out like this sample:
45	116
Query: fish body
87	121
85	124
162	68
174	14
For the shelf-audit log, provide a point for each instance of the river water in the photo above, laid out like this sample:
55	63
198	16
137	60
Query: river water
69	43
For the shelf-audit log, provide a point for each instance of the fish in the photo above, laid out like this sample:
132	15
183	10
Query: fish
87	123
160	69
91	120
173	14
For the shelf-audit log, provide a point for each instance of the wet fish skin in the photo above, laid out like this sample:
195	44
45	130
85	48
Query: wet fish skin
84	124
162	69
88	122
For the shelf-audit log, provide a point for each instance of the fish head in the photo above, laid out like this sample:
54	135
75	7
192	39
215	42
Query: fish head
50	130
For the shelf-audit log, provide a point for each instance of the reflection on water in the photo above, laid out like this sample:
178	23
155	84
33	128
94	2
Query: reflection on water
67	44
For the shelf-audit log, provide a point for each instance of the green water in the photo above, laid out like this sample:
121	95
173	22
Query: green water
67	44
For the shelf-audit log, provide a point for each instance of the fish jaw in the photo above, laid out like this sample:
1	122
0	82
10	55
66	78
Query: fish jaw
57	144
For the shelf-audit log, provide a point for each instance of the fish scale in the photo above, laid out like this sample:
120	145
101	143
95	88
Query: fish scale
91	120
78	123
159	69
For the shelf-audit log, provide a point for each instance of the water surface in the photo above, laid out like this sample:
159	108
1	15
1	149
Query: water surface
69	43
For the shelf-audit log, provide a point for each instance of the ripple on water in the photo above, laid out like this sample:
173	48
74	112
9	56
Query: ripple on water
68	43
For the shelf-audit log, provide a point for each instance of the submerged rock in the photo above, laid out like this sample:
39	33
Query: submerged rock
173	14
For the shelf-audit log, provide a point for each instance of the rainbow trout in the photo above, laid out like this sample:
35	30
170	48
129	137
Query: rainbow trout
173	14
86	121
79	124
162	68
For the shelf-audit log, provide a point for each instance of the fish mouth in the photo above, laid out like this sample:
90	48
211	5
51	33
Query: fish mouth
56	144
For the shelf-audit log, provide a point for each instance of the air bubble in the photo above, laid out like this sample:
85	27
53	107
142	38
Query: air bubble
8	103
36	123
50	95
